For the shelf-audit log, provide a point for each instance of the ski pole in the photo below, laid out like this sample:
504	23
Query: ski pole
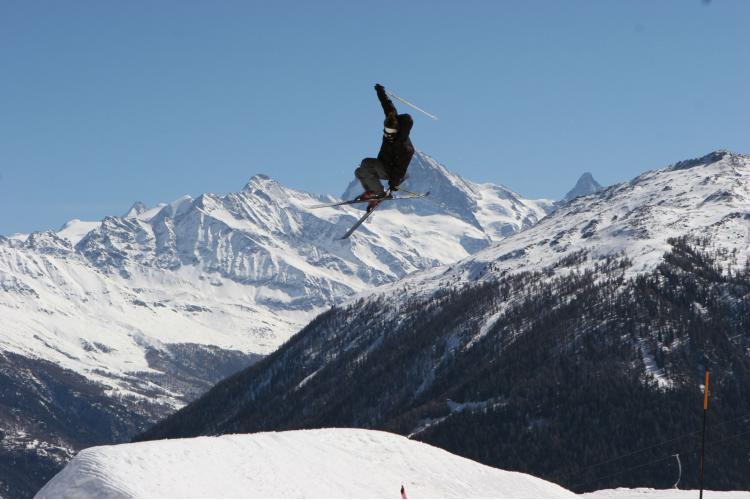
441	205
410	104
408	192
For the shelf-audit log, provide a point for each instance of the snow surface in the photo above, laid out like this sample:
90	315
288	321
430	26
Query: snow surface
652	368
673	493
322	463
74	230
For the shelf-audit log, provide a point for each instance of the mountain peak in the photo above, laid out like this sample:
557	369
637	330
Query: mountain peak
137	209
264	189
424	174
586	185
176	208
493	209
259	181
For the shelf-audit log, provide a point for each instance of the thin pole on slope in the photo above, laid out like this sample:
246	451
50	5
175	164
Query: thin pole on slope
703	439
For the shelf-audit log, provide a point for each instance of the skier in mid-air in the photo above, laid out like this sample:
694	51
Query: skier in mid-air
393	159
396	152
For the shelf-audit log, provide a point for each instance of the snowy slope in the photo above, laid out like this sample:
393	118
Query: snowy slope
654	493
61	309
324	463
75	229
708	197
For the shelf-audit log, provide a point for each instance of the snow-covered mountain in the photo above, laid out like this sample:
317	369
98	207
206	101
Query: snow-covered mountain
155	306
324	463
708	197
585	186
579	340
239	272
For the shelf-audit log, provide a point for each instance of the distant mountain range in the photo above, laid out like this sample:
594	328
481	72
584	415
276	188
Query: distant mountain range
119	322
573	350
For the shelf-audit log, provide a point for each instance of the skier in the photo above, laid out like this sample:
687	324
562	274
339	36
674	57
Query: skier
403	492
393	159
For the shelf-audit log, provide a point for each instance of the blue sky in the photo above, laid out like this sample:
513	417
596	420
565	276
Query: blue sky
103	103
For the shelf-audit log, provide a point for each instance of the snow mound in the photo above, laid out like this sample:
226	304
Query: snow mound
322	463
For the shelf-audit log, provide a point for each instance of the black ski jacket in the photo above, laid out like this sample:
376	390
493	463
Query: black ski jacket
396	155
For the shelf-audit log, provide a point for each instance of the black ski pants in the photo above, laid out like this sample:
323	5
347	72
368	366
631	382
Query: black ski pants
369	173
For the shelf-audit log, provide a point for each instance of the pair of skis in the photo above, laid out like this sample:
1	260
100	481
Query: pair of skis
388	197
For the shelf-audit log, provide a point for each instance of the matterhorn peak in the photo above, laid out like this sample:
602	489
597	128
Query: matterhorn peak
585	186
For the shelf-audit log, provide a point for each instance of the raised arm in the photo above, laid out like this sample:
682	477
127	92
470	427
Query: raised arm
385	101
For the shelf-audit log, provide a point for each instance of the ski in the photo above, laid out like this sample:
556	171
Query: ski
360	221
411	196
368	214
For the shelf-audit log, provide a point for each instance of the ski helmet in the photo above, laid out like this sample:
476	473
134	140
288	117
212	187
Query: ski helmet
390	127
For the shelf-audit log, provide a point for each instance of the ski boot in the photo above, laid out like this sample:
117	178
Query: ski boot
373	198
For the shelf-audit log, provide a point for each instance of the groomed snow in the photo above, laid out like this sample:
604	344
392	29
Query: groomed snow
322	463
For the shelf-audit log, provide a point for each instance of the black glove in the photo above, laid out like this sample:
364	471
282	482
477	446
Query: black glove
380	90
393	185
